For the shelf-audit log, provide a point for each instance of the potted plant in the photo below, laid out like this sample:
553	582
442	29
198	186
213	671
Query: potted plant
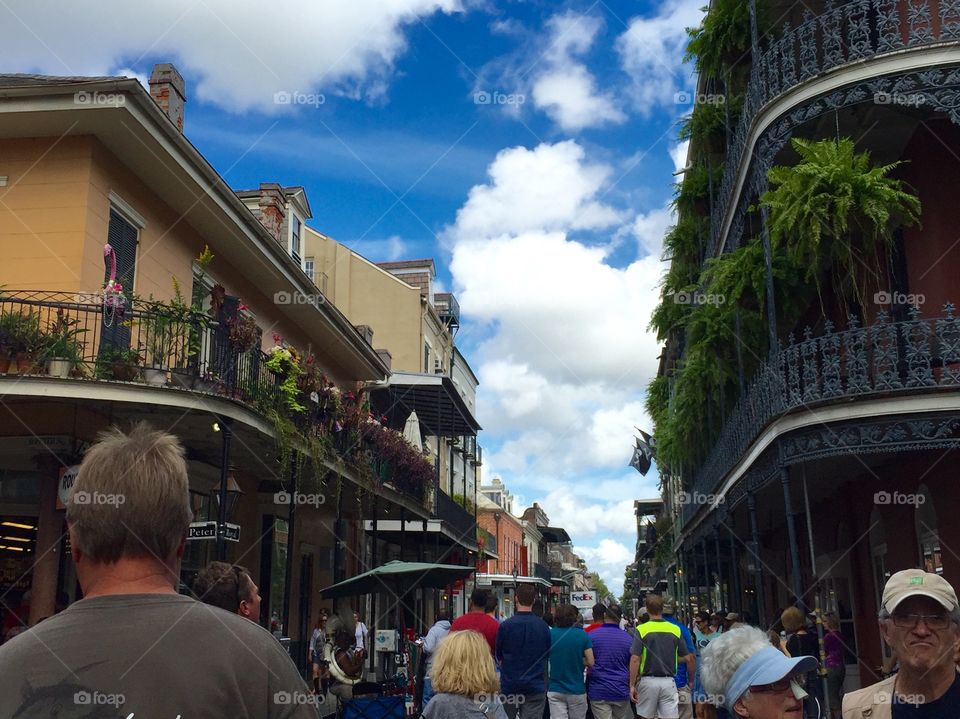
119	363
159	328
26	339
243	332
209	382
62	347
6	342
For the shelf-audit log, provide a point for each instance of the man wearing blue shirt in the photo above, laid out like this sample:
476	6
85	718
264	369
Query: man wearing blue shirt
684	677
523	645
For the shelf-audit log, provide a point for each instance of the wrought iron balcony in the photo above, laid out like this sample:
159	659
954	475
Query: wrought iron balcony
845	34
460	520
448	308
884	359
175	348
541	571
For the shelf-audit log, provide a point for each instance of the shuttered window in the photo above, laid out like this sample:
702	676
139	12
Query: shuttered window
122	236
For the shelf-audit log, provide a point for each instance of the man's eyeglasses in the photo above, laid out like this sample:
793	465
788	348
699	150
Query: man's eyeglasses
775	688
909	621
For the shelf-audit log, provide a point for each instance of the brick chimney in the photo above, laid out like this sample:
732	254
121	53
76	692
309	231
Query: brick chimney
169	91
272	209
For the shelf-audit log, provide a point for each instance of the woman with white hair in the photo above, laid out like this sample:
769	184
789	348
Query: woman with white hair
750	679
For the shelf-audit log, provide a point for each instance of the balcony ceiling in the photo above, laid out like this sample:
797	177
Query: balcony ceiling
441	410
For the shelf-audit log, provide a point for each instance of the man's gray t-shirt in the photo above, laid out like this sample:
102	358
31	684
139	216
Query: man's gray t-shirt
156	656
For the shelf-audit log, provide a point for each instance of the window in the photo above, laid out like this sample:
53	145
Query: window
295	227
308	268
123	237
426	357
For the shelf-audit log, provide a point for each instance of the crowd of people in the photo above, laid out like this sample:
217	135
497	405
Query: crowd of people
134	646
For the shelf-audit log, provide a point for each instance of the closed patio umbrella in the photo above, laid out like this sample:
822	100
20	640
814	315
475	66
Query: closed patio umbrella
411	431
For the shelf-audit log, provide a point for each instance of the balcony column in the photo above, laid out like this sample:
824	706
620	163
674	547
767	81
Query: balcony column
291	545
791	534
373	565
754	31
755	540
721	598
737	596
226	432
706	571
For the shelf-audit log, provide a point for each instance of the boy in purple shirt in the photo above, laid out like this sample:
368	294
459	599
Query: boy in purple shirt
609	686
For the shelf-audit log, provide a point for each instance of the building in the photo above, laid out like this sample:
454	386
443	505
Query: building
818	466
94	161
396	306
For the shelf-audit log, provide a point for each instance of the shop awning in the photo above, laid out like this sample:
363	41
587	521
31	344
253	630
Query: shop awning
434	397
505	580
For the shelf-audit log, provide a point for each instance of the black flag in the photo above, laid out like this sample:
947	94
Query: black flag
642	454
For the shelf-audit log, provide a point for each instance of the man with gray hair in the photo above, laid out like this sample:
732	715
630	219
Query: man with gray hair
750	679
919	619
133	646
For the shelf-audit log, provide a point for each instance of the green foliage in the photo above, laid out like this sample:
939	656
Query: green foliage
693	194
833	213
722	40
707	124
62	340
602	591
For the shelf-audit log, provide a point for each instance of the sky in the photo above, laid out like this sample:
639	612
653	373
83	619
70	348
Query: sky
528	146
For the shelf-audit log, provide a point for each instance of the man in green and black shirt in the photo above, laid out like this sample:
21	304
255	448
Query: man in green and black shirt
653	660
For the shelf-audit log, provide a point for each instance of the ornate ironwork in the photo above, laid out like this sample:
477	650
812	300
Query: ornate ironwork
883	359
842	35
884	436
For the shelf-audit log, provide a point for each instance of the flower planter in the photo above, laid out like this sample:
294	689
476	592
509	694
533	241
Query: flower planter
59	367
124	371
155	377
181	378
205	385
26	363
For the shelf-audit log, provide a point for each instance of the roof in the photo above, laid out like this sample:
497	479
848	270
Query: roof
409	264
27	80
288	192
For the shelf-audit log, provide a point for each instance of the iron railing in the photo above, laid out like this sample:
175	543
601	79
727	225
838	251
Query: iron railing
845	34
73	336
460	520
541	571
886	358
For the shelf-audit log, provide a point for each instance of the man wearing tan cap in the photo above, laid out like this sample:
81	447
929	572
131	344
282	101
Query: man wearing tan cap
920	620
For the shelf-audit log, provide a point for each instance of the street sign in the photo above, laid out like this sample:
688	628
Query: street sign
208	530
583	600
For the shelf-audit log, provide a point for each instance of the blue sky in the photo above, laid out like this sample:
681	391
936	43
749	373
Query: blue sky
527	146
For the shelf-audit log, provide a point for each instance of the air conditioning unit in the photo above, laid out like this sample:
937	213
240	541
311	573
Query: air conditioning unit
385	640
437	366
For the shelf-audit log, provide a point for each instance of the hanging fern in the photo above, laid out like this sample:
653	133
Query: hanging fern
834	213
722	41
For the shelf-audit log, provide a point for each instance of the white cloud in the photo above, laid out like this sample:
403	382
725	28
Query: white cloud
566	90
546	189
242	52
565	357
678	153
651	52
609	558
